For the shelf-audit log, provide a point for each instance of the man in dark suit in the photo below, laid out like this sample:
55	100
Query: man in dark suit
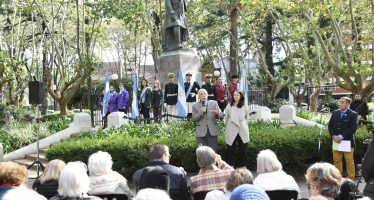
342	126
160	156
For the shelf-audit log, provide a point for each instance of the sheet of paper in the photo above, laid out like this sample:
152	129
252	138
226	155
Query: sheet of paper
344	145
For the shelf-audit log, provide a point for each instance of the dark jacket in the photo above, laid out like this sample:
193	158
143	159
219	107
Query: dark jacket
211	89
48	189
157	99
194	89
345	126
361	107
368	171
178	181
171	93
147	95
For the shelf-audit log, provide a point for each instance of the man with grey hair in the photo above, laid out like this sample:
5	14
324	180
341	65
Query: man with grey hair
214	172
342	126
205	114
160	156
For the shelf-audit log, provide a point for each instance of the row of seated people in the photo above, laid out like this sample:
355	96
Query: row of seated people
215	178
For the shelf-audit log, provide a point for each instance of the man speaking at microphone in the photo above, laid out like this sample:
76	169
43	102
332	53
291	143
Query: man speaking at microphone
205	114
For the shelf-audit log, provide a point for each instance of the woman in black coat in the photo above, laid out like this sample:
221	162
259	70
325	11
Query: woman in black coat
47	184
368	170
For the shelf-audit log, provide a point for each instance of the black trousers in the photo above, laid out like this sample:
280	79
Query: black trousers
240	159
157	114
222	106
144	110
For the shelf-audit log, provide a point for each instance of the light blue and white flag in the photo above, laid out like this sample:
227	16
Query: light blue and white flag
106	93
244	84
134	103
181	103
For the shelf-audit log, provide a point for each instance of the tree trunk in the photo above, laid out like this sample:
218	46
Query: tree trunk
234	41
299	99
63	107
313	107
268	47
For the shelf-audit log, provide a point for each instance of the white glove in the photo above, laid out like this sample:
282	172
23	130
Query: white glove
193	94
165	104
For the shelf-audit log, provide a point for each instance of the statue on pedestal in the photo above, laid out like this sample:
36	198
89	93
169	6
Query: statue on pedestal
175	25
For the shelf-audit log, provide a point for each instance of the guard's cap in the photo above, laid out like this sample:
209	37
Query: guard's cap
188	74
171	75
208	76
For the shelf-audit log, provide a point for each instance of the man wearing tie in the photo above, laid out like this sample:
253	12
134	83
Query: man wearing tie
205	114
342	126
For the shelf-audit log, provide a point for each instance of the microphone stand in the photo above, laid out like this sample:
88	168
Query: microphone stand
39	165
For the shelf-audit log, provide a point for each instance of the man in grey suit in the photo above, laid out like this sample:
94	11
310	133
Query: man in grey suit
205	114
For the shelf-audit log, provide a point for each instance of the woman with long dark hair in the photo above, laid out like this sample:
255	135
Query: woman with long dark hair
237	131
145	99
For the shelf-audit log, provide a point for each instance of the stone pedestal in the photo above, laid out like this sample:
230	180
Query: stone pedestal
82	120
186	59
116	119
287	113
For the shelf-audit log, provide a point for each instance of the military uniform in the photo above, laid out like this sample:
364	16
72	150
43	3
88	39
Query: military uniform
171	96
211	89
191	97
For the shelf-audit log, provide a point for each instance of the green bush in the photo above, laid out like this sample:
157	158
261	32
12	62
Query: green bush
21	133
296	147
19	114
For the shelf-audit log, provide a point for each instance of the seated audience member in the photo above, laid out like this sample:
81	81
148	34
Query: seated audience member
47	184
152	194
324	180
160	156
22	193
270	174
214	172
238	177
73	183
12	175
347	186
248	192
368	170
154	177
103	180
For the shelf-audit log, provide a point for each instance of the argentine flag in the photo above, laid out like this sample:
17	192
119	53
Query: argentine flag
134	103
106	93
181	103
244	84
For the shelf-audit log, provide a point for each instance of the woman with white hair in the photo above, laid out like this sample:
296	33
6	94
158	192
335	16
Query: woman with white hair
47	184
73	183
103	180
152	194
270	174
324	180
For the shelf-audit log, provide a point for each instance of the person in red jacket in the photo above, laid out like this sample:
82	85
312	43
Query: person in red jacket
233	84
221	96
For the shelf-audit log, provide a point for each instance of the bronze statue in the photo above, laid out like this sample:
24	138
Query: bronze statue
175	26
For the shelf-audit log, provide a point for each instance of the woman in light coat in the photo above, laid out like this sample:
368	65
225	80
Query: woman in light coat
237	131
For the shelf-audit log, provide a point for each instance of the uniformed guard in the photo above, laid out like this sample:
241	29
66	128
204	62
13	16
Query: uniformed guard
171	95
209	87
191	88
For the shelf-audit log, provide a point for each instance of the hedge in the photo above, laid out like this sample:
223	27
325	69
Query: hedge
296	146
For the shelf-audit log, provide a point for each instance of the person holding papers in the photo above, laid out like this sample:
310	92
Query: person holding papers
342	127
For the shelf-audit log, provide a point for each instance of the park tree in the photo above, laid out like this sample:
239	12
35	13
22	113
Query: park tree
346	42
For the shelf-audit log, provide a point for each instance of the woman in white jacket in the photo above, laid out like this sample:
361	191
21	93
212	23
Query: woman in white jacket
237	131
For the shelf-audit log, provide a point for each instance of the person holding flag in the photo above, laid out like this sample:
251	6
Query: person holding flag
145	98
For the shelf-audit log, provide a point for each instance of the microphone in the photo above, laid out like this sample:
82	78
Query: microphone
205	105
